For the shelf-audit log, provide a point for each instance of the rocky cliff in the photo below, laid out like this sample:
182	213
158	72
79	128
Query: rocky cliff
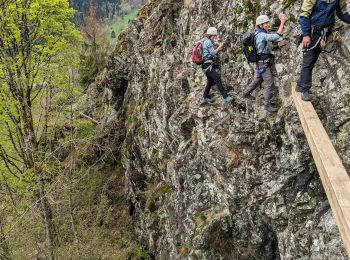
223	181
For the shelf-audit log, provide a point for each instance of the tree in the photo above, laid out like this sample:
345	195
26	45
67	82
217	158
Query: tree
37	43
125	7
113	34
96	46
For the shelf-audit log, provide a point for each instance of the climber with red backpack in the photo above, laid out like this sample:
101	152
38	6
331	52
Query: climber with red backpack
203	54
260	52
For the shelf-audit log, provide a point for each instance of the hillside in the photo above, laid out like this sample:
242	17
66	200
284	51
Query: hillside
111	9
112	154
223	181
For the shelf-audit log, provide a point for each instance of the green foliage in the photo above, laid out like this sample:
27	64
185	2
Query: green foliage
343	138
66	159
292	18
45	25
66	96
201	219
91	187
145	12
39	46
201	216
39	49
100	38
169	31
156	192
89	68
84	129
83	5
96	46
184	249
105	229
327	238
288	3
120	24
250	9
132	120
141	254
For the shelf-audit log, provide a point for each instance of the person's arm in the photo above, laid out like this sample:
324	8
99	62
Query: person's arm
208	45
304	21
212	51
271	37
342	13
281	27
219	48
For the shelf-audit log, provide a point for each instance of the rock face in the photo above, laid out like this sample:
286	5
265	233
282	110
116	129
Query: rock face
223	181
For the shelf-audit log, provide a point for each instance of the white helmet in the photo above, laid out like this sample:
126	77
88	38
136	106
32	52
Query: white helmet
212	31
262	19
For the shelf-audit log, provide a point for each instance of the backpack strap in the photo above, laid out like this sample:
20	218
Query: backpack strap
205	58
265	42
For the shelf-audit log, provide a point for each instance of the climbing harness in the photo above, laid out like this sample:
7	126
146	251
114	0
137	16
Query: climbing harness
209	68
322	39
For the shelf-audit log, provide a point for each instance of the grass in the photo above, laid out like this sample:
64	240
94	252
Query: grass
327	238
121	23
200	219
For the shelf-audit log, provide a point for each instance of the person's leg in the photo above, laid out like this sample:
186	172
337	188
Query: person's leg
309	59
253	85
305	79
269	85
210	83
316	54
215	77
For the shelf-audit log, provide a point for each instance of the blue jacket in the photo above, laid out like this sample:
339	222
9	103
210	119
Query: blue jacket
208	50
263	41
321	13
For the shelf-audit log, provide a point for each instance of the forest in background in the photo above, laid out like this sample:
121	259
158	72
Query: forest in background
107	9
61	183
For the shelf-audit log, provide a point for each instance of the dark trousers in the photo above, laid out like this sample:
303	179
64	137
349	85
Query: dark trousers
309	59
262	74
213	78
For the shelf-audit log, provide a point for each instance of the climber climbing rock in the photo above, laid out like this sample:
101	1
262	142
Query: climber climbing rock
317	19
263	44
209	68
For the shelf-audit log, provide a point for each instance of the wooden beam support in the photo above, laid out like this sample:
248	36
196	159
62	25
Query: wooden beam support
335	180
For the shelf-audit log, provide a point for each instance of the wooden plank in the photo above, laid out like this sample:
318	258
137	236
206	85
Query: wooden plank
335	180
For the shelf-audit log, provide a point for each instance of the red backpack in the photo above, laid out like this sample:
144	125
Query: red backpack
197	56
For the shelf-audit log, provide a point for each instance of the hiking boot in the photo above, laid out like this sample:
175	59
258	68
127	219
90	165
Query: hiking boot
248	96
208	100
270	108
299	89
228	99
306	96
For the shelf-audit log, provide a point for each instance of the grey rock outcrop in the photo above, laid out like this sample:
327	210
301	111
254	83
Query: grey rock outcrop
223	181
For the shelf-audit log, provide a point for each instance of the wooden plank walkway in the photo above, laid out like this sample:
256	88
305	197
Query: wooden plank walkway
335	180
